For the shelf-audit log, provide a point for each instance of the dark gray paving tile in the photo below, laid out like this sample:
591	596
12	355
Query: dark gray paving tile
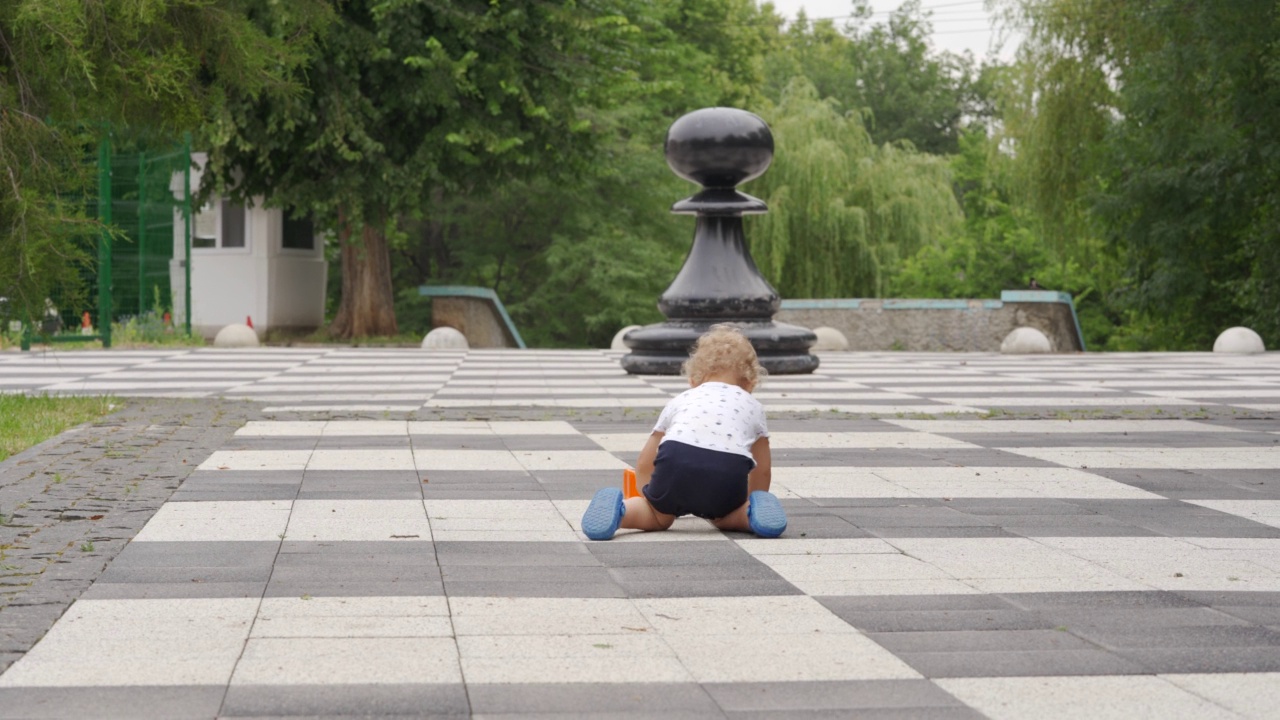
1021	663
358	479
1107	600
269	477
564	699
531	491
141	702
355	573
153	575
963	531
913	516
476	477
456	553
662	555
1077	619
979	641
234	492
846	696
707	588
517	588
586	575
927	713
1207	637
428	441
1252	613
173	590
1204	659
517	443
270	443
914	603
353	588
1217	598
361	442
821	526
424	700
401	550
196	554
931	613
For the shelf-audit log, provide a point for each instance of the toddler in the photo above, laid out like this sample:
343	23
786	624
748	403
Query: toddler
708	454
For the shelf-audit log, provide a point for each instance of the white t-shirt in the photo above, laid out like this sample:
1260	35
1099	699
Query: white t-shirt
714	416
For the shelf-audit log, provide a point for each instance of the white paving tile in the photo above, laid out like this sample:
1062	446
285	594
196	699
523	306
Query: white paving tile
1253	695
282	428
1045	426
362	459
1217	458
1129	697
498	520
1266	512
428	459
888	439
356	520
256	460
1168	563
536	460
138	642
574	658
226	520
355	661
366	428
810	657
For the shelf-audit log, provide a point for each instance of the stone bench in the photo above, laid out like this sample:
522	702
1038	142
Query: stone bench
476	312
932	325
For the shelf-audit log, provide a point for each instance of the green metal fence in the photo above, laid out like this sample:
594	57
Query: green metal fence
143	189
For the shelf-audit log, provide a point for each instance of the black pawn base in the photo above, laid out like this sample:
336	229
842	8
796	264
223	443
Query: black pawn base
663	348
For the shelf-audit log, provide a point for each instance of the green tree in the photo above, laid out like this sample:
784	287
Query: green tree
1152	125
69	70
907	90
411	101
577	256
844	212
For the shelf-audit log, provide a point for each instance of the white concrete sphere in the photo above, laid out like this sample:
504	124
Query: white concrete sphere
1238	340
617	343
1025	341
829	338
445	338
236	336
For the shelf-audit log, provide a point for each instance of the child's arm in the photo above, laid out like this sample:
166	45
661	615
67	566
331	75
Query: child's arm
762	475
644	464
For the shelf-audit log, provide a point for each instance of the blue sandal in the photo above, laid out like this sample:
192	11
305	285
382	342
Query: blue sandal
765	513
604	514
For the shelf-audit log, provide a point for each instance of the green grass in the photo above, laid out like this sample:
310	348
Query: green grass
27	420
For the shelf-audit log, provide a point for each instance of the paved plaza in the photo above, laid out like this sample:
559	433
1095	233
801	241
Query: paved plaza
359	532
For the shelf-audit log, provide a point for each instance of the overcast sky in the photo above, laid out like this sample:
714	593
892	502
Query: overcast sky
958	25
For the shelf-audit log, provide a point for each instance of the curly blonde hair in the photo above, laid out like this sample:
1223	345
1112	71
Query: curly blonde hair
724	349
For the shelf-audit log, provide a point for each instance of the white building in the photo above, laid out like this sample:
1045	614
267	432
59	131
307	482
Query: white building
247	263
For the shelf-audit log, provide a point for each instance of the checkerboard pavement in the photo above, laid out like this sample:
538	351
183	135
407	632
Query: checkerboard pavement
971	535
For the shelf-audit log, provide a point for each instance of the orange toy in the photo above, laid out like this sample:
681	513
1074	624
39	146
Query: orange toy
629	489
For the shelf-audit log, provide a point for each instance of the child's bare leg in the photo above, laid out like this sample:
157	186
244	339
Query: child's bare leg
736	520
640	515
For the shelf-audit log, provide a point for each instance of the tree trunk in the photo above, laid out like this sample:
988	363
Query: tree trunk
367	307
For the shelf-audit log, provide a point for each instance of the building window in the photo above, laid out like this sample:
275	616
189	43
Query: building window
297	233
220	224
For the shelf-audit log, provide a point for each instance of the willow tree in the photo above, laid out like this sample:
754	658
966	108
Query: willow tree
843	212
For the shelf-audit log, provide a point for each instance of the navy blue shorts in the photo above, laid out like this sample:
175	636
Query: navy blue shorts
690	480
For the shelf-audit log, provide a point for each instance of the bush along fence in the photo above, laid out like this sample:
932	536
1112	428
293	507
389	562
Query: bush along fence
143	191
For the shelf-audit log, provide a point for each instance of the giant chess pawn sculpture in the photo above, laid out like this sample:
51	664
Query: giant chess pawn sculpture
719	148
